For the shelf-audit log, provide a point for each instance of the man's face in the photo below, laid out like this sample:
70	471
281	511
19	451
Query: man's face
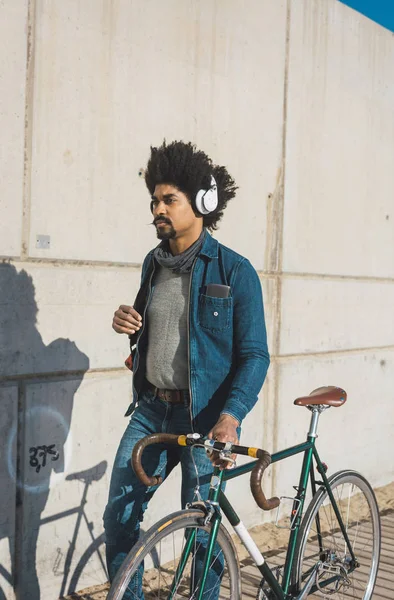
172	212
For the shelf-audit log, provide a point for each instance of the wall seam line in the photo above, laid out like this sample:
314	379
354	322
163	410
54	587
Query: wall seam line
19	490
47	262
330	353
279	243
61	375
36	377
25	233
28	124
279	358
330	277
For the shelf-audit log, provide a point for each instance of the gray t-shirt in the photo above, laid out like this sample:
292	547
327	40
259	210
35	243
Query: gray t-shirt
167	365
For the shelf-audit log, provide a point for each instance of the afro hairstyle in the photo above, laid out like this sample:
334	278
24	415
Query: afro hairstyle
188	169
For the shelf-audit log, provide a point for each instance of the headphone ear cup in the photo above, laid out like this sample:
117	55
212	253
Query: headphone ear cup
200	202
207	200
210	200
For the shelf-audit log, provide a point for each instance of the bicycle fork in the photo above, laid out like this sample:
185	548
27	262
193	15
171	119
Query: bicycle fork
213	516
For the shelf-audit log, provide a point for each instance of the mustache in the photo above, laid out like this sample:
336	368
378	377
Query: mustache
161	220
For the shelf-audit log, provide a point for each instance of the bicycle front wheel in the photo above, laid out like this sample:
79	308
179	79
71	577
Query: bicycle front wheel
321	539
167	562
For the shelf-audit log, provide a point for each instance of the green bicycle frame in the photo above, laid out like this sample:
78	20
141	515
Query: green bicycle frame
298	506
217	498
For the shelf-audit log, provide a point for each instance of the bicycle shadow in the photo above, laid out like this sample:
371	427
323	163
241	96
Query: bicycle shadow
95	550
93	558
34	426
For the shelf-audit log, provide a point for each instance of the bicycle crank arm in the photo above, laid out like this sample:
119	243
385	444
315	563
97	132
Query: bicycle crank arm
311	580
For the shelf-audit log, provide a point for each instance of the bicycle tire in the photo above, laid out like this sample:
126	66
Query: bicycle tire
360	515
174	523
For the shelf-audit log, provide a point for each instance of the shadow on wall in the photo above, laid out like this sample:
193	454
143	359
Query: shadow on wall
35	416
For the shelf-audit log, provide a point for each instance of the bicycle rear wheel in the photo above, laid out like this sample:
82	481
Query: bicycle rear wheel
339	577
166	542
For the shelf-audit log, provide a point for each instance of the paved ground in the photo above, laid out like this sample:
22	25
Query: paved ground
384	589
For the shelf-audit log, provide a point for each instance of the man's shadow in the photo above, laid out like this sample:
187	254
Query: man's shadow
34	426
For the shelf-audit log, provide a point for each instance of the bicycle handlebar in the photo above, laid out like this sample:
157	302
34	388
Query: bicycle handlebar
264	460
155	438
263	457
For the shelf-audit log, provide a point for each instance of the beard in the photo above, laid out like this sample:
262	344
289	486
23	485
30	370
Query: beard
166	235
169	234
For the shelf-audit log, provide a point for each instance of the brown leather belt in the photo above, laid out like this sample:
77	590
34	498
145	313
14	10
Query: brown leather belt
170	396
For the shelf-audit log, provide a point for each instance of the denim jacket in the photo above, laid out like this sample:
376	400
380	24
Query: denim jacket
228	355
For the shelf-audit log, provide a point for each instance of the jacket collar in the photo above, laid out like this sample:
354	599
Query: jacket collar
209	247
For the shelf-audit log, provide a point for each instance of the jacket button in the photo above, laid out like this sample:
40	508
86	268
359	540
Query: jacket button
215	314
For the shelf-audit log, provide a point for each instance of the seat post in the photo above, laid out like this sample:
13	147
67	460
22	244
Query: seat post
315	410
312	433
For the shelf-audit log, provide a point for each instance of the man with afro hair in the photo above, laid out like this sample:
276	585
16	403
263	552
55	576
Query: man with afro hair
198	343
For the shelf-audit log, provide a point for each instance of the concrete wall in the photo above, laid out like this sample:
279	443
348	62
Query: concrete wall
296	97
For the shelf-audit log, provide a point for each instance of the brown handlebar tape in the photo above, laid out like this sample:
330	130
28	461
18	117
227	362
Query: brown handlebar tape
264	460
156	438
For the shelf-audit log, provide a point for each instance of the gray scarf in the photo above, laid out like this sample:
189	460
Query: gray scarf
181	263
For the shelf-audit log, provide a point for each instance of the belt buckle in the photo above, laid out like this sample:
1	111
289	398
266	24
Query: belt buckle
167	395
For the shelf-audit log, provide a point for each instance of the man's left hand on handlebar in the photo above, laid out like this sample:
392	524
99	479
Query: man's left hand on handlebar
225	430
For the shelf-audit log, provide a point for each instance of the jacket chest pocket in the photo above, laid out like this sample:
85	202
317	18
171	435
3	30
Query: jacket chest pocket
215	314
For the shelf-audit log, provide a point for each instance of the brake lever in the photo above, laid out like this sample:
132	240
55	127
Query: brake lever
227	458
223	455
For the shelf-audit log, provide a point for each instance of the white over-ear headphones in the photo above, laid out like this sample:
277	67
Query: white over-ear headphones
207	200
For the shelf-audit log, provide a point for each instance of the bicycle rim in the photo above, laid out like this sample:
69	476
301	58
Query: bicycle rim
338	577
158	554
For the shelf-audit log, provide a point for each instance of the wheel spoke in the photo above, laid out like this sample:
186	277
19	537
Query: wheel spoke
358	510
176	569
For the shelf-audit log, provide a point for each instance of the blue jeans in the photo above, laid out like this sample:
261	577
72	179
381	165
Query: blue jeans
129	498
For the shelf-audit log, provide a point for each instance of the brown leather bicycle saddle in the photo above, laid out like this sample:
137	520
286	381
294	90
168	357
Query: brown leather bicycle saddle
328	395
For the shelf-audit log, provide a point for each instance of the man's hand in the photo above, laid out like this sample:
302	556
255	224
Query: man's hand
225	430
126	320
